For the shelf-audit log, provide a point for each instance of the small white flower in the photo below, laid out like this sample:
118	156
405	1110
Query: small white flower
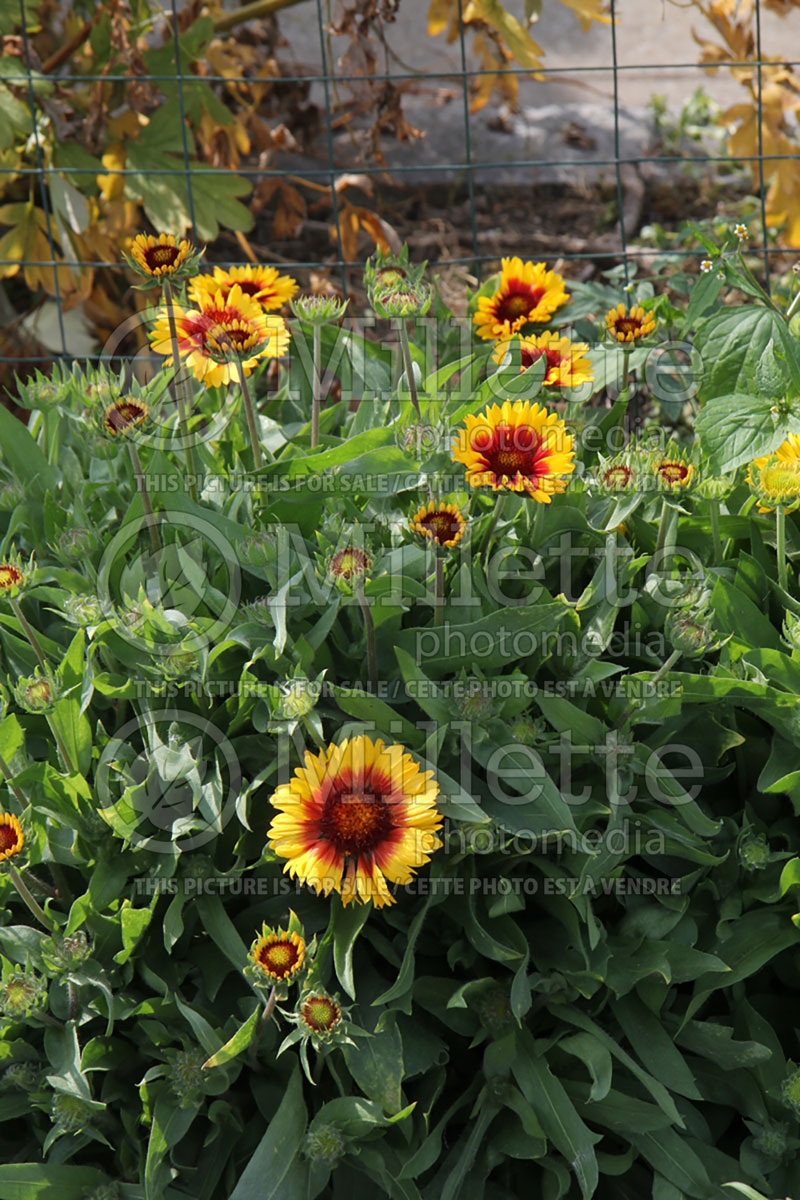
740	231
720	274
628	288
706	265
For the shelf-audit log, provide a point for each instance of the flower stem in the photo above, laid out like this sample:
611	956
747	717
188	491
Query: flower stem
780	546
5	771
180	398
438	591
498	509
28	900
793	306
29	633
269	1006
666	666
251	416
409	366
369	630
141	484
714	509
316	385
66	757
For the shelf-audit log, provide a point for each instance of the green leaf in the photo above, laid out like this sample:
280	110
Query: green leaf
170	1124
405	976
347	924
265	1176
376	1064
734	429
37	1181
237	1044
20	452
556	1114
728	348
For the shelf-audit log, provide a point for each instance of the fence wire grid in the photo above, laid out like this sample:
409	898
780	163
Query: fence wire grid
465	170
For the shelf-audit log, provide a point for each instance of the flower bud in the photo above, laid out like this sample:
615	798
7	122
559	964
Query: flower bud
22	993
69	1113
754	852
325	1144
318	310
36	693
186	1076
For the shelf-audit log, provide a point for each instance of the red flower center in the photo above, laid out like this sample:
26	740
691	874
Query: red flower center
161	256
617	477
279	958
554	360
673	472
518	303
443	525
9	576
349	562
321	1014
120	416
627	325
510	451
8	837
250	287
355	821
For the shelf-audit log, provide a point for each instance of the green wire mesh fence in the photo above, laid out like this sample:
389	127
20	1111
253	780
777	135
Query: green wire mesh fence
23	79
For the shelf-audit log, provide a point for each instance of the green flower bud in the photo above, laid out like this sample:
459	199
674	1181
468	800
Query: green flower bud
690	631
22	993
71	951
493	1009
754	852
410	301
70	1114
318	310
772	1139
257	549
186	1076
25	1076
297	700
106	1191
529	732
83	611
258	610
790	1090
325	1144
75	544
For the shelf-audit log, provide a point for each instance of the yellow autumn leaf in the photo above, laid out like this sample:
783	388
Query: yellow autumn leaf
525	50
589	10
438	16
26	244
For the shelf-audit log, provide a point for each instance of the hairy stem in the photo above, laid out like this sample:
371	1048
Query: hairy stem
141	484
251	416
27	629
180	398
369	631
316	384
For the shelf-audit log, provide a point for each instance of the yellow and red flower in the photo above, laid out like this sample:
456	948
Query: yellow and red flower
440	523
319	1014
350	563
221	333
158	257
264	284
673	474
629	324
566	364
527	294
519	447
355	818
124	417
11	577
11	836
279	956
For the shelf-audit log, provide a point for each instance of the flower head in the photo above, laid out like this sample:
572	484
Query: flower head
76	543
278	956
790	1089
672	472
629	324
527	294
11	836
319	1014
741	232
354	817
157	259
440	523
706	266
36	693
519	447
691	630
15	575
617	477
754	852
124	418
775	478
413	300
349	564
565	363
264	284
221	333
